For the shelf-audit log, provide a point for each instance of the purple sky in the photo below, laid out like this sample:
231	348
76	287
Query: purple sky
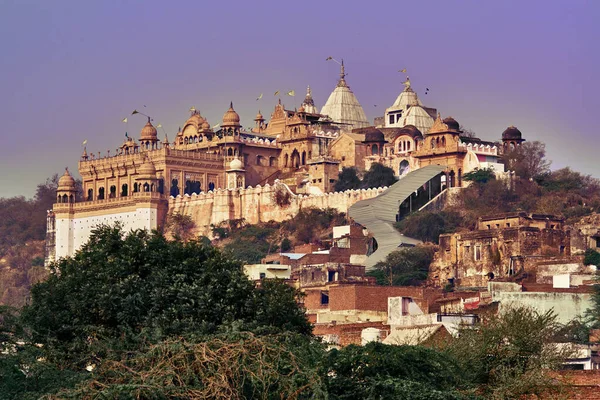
71	70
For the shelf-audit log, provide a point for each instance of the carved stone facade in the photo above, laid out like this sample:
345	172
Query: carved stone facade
146	179
502	246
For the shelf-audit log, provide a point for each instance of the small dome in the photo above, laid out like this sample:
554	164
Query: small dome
147	169
259	117
148	132
195	119
511	133
453	125
231	117
66	182
236	164
374	135
410	130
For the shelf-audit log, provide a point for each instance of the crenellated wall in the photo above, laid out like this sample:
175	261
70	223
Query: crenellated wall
258	204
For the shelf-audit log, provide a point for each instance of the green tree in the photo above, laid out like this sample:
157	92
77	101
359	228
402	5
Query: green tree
480	175
378	176
180	226
347	179
122	289
428	226
408	266
379	371
511	354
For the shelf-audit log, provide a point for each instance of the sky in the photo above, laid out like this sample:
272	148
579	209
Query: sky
72	70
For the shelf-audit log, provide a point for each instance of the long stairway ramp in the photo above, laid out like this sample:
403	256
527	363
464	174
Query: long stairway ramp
378	214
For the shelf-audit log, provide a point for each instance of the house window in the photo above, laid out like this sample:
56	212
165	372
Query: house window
392	118
324	298
331	276
561	249
262	275
497	226
489	226
508	224
477	253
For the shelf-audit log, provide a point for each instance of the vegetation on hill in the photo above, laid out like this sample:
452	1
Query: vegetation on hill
377	176
22	235
407	266
250	243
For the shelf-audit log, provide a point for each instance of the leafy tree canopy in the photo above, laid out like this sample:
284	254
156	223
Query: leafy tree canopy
480	175
378	176
140	287
428	226
347	179
405	267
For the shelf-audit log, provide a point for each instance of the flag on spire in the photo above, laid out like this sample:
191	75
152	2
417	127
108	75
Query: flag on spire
259	97
84	142
329	58
291	93
276	93
135	112
403	70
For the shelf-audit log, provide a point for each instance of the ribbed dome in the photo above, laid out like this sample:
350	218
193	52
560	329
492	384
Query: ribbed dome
511	133
236	164
453	125
205	125
66	182
343	107
148	132
231	118
147	170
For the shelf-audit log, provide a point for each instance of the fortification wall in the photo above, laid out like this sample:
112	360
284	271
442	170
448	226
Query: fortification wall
258	204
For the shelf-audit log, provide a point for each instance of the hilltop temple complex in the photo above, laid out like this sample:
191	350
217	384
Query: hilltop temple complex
219	172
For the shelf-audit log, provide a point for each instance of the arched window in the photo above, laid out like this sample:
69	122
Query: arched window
404	168
272	162
240	183
112	192
230	151
374	150
71	199
460	177
174	188
443	141
136	187
432	143
185	140
90	195
146	187
101	193
211	186
258	159
285	161
124	190
59	199
451	182
304	158
295	159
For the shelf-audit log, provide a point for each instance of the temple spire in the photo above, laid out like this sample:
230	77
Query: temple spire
342	81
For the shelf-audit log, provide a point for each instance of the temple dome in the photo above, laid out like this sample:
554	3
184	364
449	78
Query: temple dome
205	125
343	107
511	133
259	117
231	117
236	164
66	182
147	170
453	125
309	104
149	132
